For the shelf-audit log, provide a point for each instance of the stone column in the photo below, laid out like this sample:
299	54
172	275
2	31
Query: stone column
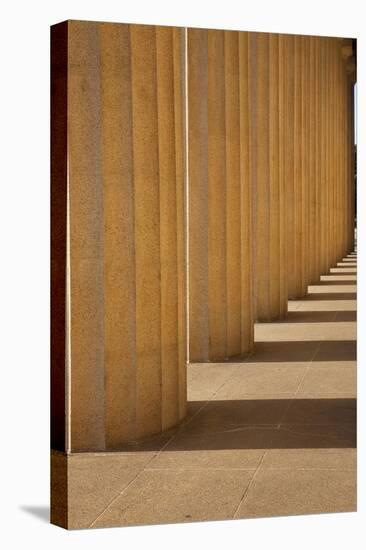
118	233
220	280
318	156
269	193
305	188
323	157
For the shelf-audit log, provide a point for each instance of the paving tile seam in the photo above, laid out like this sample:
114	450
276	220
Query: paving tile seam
306	369
243	427
244	496
152	458
155	455
113	500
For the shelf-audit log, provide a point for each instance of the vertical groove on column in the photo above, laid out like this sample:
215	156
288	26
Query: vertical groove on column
233	195
322	157
198	194
331	154
147	229
327	152
262	161
317	148
180	165
216	196
284	169
313	242
168	227
339	156
287	51
246	190
304	164
274	183
86	238
298	199
119	256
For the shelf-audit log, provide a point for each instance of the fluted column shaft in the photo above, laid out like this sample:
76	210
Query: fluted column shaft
123	240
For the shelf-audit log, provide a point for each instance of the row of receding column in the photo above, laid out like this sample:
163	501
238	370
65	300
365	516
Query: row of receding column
269	159
320	194
271	181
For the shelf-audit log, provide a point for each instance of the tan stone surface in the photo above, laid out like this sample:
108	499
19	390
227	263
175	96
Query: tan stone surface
198	194
291	492
277	230
287	332
326	305
271	198
263	437
126	333
94	481
299	459
217	184
205	379
220	227
147	239
335	379
119	300
247	175
86	227
170	359
260	158
262	379
178	496
233	193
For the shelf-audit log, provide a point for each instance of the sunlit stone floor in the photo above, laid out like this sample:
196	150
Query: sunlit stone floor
272	435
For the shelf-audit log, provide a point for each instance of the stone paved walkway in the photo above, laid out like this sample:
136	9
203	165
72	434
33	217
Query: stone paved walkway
272	435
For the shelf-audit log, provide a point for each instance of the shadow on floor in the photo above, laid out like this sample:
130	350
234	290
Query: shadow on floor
341	282
258	424
341	271
330	296
40	512
326	350
319	316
